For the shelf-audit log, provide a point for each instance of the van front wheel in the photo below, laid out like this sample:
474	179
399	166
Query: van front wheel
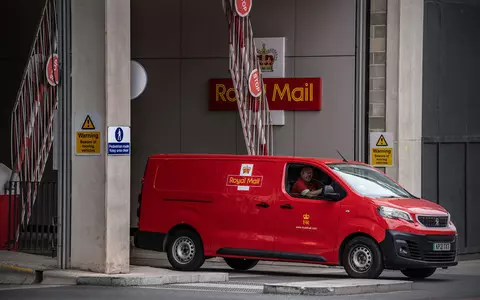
362	258
241	264
185	250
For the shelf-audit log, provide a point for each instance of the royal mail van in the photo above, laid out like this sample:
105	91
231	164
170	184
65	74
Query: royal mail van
322	211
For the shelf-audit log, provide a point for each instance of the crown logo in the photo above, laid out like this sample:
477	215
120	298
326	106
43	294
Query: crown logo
267	58
246	170
306	216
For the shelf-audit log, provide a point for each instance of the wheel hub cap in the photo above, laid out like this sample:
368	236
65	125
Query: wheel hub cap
183	250
361	259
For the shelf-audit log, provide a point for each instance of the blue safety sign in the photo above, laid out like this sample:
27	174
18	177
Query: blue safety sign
118	140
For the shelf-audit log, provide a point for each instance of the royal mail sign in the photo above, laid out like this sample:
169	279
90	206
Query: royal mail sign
282	94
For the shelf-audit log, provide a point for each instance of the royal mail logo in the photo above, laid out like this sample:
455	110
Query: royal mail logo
246	169
282	93
244	180
267	58
306	219
250	181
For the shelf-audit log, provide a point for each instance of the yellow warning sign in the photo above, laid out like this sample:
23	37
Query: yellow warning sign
382	157
381	149
88	124
88	142
381	141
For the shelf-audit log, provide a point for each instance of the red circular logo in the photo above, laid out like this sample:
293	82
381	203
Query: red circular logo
243	7
52	70
254	83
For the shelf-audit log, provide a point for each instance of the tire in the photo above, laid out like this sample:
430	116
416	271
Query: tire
419	273
135	240
241	264
362	258
185	250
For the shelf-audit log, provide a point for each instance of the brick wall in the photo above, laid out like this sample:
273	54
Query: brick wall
378	30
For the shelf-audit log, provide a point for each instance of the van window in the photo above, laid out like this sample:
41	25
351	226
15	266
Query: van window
369	181
319	178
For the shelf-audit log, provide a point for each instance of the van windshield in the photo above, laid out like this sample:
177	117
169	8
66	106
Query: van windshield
368	181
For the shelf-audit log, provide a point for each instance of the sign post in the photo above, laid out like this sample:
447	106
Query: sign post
381	149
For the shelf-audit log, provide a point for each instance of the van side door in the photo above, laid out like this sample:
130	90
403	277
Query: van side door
307	227
244	213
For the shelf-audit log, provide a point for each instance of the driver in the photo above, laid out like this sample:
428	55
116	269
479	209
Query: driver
304	185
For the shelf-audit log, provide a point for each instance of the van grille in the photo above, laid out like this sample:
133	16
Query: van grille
433	221
430	256
415	252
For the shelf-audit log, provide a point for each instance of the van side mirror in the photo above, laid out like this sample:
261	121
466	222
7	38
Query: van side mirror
329	193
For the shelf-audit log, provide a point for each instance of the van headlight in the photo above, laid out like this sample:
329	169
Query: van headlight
393	213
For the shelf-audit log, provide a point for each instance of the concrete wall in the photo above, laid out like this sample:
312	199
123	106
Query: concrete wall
182	44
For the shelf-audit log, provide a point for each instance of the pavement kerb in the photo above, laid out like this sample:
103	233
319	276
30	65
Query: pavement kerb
151	280
78	277
337	287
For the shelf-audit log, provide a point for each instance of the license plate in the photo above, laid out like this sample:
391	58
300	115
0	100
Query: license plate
441	247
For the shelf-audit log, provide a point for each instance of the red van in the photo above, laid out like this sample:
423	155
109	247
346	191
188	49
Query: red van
295	209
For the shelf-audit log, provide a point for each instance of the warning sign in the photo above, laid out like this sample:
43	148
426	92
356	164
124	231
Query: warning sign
88	124
381	141
381	149
88	142
87	139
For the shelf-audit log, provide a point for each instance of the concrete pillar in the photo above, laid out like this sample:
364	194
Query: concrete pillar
391	74
100	238
404	72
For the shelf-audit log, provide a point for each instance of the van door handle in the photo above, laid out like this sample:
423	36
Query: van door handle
286	206
263	204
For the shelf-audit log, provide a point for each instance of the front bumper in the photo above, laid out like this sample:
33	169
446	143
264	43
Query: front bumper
403	250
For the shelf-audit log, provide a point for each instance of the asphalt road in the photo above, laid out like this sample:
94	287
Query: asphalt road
462	282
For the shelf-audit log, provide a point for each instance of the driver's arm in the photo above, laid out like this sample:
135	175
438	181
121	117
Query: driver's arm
315	193
311	194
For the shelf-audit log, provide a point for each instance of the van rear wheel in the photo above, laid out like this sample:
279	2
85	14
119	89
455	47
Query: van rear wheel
241	264
185	250
362	258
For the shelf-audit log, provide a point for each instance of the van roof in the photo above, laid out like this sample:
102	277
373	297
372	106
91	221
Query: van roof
252	157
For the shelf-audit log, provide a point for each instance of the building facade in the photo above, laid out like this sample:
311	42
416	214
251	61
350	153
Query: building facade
401	66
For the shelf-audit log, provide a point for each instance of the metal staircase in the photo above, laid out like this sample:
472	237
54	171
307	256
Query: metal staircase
247	79
33	114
